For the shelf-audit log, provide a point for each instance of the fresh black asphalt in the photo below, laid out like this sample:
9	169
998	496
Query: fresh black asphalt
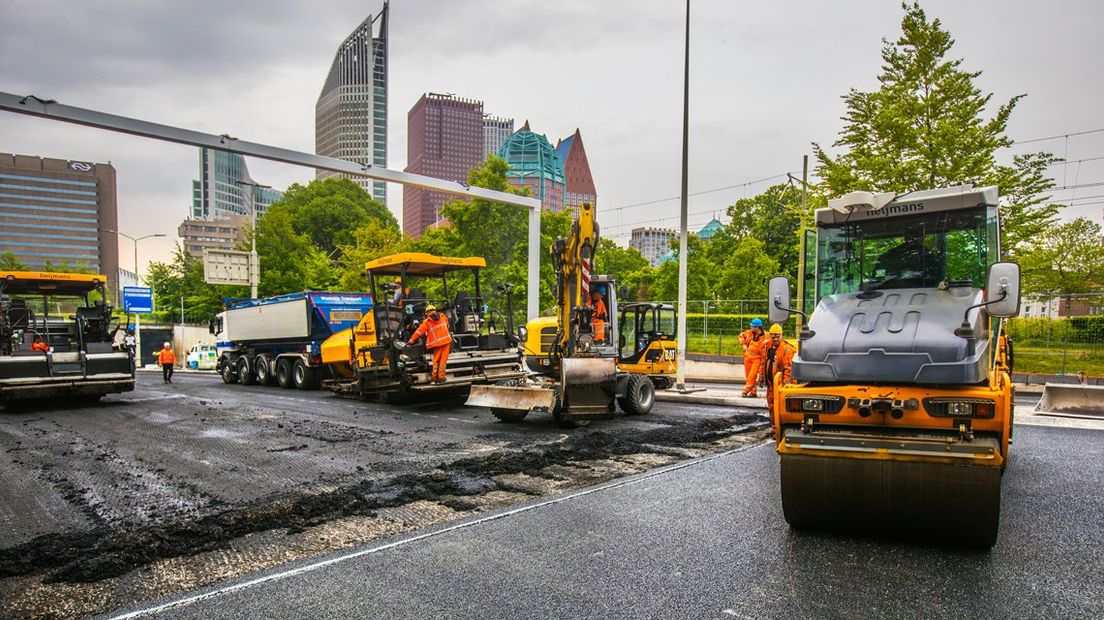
708	541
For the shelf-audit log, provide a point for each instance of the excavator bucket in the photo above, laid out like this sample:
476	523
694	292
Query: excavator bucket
515	397
1087	400
589	384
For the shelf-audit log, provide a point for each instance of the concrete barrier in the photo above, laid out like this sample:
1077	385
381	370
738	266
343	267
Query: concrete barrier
714	371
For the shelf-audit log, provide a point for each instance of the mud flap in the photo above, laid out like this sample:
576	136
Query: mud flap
943	502
1060	398
519	398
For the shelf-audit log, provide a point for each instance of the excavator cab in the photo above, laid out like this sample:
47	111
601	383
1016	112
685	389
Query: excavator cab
646	342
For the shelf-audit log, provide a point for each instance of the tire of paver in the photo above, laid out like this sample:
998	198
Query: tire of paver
227	373
283	373
245	372
262	370
639	395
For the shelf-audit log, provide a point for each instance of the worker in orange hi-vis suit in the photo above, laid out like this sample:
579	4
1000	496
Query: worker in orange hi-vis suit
777	357
166	359
598	320
750	340
438	340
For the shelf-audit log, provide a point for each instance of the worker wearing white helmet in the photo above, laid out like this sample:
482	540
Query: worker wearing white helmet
167	359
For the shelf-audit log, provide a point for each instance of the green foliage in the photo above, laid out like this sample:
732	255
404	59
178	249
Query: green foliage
328	211
747	269
1068	259
926	127
627	266
700	273
183	278
289	261
370	242
9	262
774	218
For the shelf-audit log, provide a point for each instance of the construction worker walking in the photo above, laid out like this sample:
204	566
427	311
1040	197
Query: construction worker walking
753	360
435	326
167	359
777	355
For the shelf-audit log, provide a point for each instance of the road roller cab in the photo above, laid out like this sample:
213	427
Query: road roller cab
900	414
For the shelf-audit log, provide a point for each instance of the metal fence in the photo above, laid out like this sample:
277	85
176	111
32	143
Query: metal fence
1046	339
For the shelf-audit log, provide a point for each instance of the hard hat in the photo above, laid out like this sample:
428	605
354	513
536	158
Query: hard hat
431	308
167	344
757	322
776	329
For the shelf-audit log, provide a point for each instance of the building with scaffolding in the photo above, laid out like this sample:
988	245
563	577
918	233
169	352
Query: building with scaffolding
350	119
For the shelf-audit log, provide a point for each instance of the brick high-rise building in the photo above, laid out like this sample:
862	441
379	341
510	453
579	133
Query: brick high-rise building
60	212
579	186
445	140
350	117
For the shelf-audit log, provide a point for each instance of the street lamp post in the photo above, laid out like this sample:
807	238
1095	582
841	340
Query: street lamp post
254	266
137	317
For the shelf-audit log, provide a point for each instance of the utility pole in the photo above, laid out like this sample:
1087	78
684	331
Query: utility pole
137	316
684	245
804	239
254	264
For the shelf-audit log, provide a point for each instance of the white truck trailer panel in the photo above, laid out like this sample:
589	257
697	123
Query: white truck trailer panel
287	319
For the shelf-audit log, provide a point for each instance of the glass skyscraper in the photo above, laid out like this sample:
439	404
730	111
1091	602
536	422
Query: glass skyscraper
350	117
217	194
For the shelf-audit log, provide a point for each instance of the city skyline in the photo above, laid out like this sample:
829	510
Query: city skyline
762	88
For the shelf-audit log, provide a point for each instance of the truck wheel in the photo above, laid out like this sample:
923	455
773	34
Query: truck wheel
283	373
639	395
262	370
245	373
301	375
227	371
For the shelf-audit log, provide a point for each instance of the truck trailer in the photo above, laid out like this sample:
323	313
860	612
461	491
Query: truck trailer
277	340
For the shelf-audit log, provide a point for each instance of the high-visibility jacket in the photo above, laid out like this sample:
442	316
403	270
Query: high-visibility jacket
777	360
599	318
751	339
437	332
166	356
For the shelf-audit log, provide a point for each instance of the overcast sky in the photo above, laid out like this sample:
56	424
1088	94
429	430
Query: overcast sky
766	80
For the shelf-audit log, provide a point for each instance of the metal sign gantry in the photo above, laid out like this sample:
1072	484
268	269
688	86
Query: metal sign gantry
50	109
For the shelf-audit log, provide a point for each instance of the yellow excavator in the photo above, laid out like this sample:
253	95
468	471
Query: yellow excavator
899	419
576	376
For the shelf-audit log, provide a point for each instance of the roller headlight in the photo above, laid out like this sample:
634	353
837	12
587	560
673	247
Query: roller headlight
814	403
960	407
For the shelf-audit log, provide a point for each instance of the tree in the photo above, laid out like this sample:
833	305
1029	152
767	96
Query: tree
327	211
289	261
183	279
627	266
1068	260
747	270
370	242
925	127
10	262
700	272
775	218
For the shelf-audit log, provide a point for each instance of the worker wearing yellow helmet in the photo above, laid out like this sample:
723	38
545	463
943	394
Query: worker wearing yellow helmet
435	326
777	357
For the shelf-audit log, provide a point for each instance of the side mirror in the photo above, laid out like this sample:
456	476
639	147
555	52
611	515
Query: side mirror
1002	290
623	292
522	334
778	299
211	327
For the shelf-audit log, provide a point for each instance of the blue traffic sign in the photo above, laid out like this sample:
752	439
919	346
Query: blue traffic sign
137	299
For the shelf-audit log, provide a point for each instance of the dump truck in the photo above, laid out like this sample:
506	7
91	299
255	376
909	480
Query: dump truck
278	340
899	416
40	310
577	380
372	358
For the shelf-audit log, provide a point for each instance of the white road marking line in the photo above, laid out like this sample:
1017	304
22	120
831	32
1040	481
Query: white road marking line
195	598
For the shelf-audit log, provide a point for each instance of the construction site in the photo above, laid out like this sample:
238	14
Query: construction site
871	389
